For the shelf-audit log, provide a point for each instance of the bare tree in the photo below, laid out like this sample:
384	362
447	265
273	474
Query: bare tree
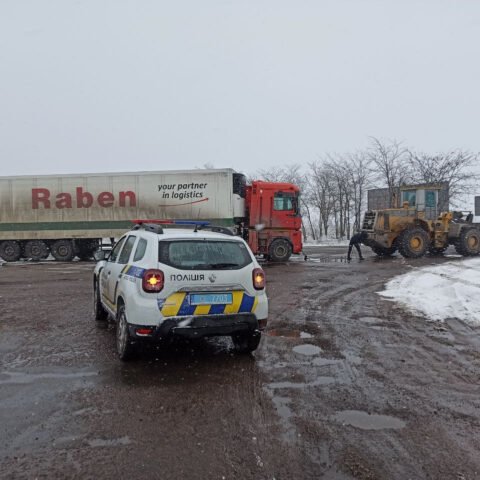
455	168
389	160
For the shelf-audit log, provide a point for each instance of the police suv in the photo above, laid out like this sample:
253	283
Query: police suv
161	282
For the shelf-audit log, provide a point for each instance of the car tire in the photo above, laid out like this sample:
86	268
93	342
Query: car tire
413	242
125	346
246	342
99	312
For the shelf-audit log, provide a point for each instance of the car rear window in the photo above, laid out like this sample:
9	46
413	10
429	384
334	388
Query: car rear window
204	254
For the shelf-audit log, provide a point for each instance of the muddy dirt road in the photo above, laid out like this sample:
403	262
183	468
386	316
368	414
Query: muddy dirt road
344	385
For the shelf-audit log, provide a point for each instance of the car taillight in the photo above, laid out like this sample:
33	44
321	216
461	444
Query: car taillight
258	279
152	280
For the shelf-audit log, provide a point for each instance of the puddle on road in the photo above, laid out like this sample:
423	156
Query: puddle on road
365	421
307	349
109	442
286	333
318	381
21	378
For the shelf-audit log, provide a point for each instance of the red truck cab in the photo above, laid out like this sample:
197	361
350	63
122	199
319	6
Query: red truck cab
274	220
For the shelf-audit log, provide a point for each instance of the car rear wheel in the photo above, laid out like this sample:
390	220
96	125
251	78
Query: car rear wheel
125	346
99	312
246	342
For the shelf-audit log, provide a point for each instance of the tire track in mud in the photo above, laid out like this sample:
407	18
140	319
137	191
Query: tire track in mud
395	364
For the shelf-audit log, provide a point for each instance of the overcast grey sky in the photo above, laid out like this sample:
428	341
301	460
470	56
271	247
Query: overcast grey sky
92	85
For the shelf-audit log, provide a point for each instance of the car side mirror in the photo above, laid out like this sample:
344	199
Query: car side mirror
100	255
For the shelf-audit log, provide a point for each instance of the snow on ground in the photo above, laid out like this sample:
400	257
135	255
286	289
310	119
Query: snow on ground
450	290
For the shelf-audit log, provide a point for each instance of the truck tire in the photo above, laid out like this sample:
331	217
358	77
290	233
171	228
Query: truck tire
384	251
246	342
280	250
10	250
468	243
413	242
62	250
36	250
125	348
100	314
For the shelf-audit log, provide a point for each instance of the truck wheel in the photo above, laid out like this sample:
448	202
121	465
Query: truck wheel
384	251
36	250
125	347
468	243
437	250
246	342
10	250
413	242
280	250
99	312
62	250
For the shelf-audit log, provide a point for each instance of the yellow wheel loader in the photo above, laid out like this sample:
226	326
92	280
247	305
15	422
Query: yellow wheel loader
416	229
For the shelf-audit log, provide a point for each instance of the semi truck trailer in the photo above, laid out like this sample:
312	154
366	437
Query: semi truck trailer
69	215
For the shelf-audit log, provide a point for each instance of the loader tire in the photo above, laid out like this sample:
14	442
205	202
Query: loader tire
468	243
413	242
384	251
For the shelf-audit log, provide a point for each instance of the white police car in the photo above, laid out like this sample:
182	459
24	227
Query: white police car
160	282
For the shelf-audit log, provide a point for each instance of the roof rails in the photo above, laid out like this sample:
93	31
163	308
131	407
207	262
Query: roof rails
216	229
149	227
156	226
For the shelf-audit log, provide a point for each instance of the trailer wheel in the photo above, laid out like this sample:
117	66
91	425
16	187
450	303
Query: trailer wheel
468	243
62	250
413	242
10	250
36	250
280	250
384	251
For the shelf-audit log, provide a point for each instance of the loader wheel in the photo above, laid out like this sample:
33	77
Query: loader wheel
280	250
413	242
468	243
10	250
384	251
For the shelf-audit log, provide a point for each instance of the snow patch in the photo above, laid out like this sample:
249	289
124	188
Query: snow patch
450	290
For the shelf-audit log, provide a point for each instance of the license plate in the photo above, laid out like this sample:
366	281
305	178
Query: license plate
211	299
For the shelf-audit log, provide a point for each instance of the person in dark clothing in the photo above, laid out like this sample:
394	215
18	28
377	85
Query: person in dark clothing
355	241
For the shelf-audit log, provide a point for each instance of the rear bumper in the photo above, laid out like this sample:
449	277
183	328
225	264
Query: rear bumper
201	326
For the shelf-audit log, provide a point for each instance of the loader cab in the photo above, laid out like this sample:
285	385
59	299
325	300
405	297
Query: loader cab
424	199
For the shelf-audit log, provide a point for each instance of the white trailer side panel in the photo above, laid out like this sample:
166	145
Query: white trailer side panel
103	205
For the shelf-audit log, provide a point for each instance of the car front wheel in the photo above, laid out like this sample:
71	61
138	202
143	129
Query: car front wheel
125	347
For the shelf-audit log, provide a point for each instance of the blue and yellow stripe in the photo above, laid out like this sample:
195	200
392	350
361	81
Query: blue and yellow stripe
178	304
